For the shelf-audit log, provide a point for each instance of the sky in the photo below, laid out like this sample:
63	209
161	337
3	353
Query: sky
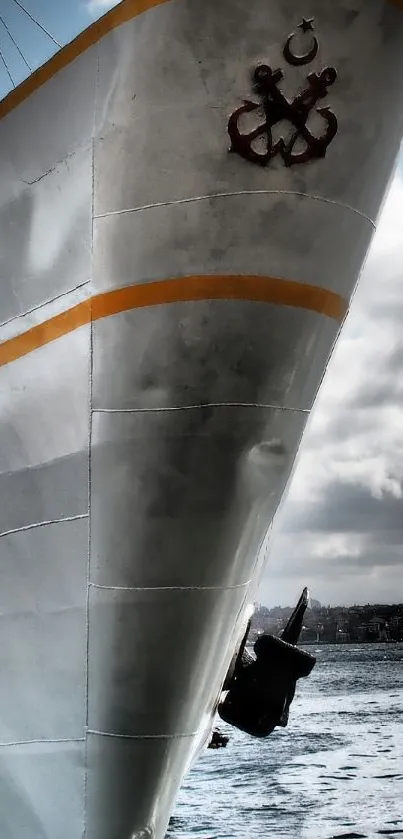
62	18
340	530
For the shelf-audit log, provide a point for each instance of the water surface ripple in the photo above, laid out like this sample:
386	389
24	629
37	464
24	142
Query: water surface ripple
336	771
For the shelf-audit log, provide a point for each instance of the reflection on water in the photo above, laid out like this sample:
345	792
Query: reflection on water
336	771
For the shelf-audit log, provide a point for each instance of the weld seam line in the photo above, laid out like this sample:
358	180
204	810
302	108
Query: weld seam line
43	524
46	303
43	740
86	143
240	192
200	405
170	588
90	388
141	736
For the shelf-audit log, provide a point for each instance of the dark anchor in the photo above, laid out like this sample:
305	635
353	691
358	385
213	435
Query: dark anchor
277	107
262	689
292	57
218	740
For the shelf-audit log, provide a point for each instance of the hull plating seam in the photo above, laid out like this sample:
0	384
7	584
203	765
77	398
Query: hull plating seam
182	289
214	195
165	410
171	588
178	736
78	288
14	743
43	524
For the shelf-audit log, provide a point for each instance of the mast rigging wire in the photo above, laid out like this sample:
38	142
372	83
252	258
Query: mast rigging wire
34	20
15	44
6	66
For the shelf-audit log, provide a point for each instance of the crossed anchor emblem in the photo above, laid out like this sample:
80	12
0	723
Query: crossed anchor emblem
276	108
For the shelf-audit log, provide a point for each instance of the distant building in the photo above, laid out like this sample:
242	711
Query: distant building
329	625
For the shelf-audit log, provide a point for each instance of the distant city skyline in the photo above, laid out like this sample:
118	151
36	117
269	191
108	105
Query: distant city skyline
337	624
318	605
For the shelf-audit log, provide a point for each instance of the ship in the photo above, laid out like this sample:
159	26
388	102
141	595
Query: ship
188	193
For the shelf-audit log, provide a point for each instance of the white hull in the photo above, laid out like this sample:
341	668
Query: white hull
168	312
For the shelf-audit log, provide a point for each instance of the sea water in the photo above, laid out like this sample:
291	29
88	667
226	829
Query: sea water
335	771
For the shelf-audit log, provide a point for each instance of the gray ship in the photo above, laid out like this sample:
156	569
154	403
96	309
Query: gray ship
188	193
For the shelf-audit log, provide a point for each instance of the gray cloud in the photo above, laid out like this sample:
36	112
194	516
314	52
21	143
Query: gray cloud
341	529
346	508
98	6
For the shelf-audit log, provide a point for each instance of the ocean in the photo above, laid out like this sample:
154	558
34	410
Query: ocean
335	771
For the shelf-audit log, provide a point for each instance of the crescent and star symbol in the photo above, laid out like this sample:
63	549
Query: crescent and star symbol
293	58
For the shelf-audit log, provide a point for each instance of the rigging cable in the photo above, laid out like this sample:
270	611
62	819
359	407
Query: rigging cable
6	66
15	44
17	2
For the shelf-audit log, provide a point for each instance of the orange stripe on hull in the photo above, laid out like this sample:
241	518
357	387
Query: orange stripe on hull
45	332
182	289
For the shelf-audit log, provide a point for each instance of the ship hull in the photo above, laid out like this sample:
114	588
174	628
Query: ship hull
168	313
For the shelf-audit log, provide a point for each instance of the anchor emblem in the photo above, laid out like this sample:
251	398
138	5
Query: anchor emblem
276	108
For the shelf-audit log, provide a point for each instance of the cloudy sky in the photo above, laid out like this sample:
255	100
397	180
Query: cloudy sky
63	19
341	528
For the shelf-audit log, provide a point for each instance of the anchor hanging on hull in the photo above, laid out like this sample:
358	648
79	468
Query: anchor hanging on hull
261	689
